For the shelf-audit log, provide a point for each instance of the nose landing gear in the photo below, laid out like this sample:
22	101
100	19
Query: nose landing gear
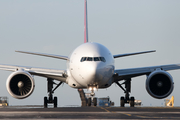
92	99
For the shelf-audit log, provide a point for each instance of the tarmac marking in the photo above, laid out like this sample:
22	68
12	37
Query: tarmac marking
150	117
105	109
108	107
127	114
140	116
115	112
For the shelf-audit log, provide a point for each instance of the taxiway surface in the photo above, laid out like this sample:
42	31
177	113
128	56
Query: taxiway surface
90	113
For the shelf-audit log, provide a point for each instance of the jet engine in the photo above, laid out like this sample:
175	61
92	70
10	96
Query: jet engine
20	84
159	84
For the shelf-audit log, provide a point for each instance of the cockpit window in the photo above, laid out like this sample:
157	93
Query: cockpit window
89	59
96	58
102	59
83	59
93	59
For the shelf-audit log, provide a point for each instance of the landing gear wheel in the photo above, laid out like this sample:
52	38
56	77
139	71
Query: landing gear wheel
89	101
45	102
95	101
55	102
122	102
132	102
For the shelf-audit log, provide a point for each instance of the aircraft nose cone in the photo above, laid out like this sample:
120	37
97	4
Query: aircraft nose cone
94	72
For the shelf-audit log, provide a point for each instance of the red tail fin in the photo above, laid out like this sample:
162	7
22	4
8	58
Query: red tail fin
85	22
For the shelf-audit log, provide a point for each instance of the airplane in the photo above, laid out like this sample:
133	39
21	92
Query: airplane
90	66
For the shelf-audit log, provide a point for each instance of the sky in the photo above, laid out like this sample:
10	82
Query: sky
57	27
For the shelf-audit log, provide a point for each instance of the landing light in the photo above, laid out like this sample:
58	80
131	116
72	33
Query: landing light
90	88
94	88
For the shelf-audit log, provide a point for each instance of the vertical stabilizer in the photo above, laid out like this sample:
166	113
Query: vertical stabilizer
85	22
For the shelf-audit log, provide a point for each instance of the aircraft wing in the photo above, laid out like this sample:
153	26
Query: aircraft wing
45	54
42	72
129	54
122	74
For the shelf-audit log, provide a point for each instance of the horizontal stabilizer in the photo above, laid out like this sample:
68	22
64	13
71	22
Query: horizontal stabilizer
129	54
46	55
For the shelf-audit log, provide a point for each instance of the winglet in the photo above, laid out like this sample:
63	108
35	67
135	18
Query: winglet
128	54
46	55
85	22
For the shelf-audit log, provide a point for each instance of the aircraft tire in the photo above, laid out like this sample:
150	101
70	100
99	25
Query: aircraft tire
132	102
45	102
95	101
55	102
122	102
89	101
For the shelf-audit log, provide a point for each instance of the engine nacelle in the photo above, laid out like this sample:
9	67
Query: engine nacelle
159	84
20	84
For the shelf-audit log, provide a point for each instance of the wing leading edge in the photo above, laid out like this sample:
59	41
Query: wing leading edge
122	74
129	54
45	54
55	74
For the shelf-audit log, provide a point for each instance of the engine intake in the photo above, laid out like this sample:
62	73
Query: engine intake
20	84
159	84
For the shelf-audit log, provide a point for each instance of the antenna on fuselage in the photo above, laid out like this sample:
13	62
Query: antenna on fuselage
85	22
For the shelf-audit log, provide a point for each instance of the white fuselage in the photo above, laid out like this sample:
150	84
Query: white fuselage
90	64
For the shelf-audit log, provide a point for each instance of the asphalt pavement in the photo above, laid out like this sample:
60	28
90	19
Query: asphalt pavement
90	113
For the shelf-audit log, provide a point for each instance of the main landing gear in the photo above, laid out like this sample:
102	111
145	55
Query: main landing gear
49	99
92	99
127	90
